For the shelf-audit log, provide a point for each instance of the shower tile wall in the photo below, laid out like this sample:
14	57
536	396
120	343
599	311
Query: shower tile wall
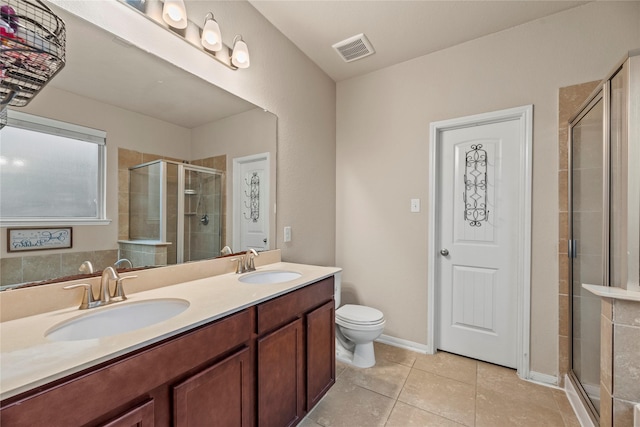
128	158
570	99
620	365
172	213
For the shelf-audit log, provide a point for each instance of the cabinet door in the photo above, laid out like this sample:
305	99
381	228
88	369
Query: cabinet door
281	376
321	360
221	395
140	416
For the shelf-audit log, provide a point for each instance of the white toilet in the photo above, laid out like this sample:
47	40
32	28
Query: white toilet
356	328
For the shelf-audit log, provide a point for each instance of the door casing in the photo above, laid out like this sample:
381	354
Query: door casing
524	115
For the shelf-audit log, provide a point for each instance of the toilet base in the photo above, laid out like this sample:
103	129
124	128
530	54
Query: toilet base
362	356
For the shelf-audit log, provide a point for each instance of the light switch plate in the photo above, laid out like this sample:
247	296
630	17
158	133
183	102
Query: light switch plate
287	234
415	205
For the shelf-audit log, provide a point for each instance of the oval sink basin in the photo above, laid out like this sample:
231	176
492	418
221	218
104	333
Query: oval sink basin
269	277
117	319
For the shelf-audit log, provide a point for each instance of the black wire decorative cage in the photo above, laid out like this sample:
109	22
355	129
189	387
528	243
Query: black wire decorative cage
32	50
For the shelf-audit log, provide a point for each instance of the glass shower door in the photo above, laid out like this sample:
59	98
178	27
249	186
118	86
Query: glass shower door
202	214
587	234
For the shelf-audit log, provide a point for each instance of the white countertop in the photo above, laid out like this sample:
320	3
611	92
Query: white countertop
612	292
28	359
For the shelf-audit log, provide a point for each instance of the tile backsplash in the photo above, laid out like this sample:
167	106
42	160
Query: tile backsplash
35	268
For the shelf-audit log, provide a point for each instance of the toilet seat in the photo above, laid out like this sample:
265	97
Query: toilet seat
358	316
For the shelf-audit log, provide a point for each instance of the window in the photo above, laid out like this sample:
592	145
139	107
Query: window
50	172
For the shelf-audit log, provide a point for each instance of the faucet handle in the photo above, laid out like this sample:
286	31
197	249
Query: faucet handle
88	300
118	292
240	267
251	254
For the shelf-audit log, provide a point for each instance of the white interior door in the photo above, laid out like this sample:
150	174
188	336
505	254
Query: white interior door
251	202
478	234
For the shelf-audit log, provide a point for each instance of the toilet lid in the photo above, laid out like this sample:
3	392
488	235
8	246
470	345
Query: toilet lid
359	314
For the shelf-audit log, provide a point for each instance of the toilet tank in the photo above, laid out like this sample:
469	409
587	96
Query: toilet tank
337	286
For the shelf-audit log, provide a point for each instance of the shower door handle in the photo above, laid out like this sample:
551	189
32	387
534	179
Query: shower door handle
572	251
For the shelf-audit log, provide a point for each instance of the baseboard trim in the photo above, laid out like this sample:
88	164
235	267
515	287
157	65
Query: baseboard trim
399	342
576	404
543	379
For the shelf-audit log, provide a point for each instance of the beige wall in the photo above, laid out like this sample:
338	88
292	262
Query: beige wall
382	154
282	80
252	132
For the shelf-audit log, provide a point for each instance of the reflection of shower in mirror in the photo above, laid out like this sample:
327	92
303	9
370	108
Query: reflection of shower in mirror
177	207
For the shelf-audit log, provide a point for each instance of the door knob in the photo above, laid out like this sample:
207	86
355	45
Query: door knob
444	252
264	240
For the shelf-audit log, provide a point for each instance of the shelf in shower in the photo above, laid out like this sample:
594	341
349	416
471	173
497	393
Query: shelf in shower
190	214
190	192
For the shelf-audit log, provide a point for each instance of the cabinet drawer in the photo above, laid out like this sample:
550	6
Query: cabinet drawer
282	310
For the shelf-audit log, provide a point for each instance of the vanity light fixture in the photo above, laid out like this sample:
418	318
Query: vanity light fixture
207	38
240	55
211	36
174	13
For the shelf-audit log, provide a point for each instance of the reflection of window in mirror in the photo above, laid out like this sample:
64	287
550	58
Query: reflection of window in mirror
50	171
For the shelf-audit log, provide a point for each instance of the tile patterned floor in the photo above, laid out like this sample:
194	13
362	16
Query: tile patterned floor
410	389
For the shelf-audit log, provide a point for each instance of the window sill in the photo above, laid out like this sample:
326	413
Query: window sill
45	222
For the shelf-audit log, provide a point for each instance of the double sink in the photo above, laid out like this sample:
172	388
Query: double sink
130	316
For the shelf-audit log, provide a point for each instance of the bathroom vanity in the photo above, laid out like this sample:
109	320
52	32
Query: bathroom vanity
268	362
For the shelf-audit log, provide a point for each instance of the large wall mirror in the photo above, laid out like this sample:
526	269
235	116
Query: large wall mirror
210	148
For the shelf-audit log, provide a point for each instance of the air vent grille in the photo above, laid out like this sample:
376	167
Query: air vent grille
354	48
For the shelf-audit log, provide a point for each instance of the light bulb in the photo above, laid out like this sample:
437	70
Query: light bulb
211	37
240	57
174	13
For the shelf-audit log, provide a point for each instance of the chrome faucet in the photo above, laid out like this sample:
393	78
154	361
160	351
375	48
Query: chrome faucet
249	264
107	274
86	267
246	263
106	297
122	261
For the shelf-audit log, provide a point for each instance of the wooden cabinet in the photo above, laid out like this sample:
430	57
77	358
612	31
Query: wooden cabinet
274	360
217	396
281	376
139	416
321	352
109	393
296	353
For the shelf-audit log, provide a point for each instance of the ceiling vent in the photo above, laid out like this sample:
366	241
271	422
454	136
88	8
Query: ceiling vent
354	48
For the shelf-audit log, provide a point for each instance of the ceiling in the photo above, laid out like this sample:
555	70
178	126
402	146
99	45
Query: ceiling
138	81
399	30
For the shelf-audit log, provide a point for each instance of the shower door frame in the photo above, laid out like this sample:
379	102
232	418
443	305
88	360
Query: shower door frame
182	168
601	92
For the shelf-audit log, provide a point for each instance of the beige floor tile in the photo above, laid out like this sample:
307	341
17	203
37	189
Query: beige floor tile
340	367
385	377
505	381
394	354
446	397
448	365
499	409
404	415
349	405
308	422
566	411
